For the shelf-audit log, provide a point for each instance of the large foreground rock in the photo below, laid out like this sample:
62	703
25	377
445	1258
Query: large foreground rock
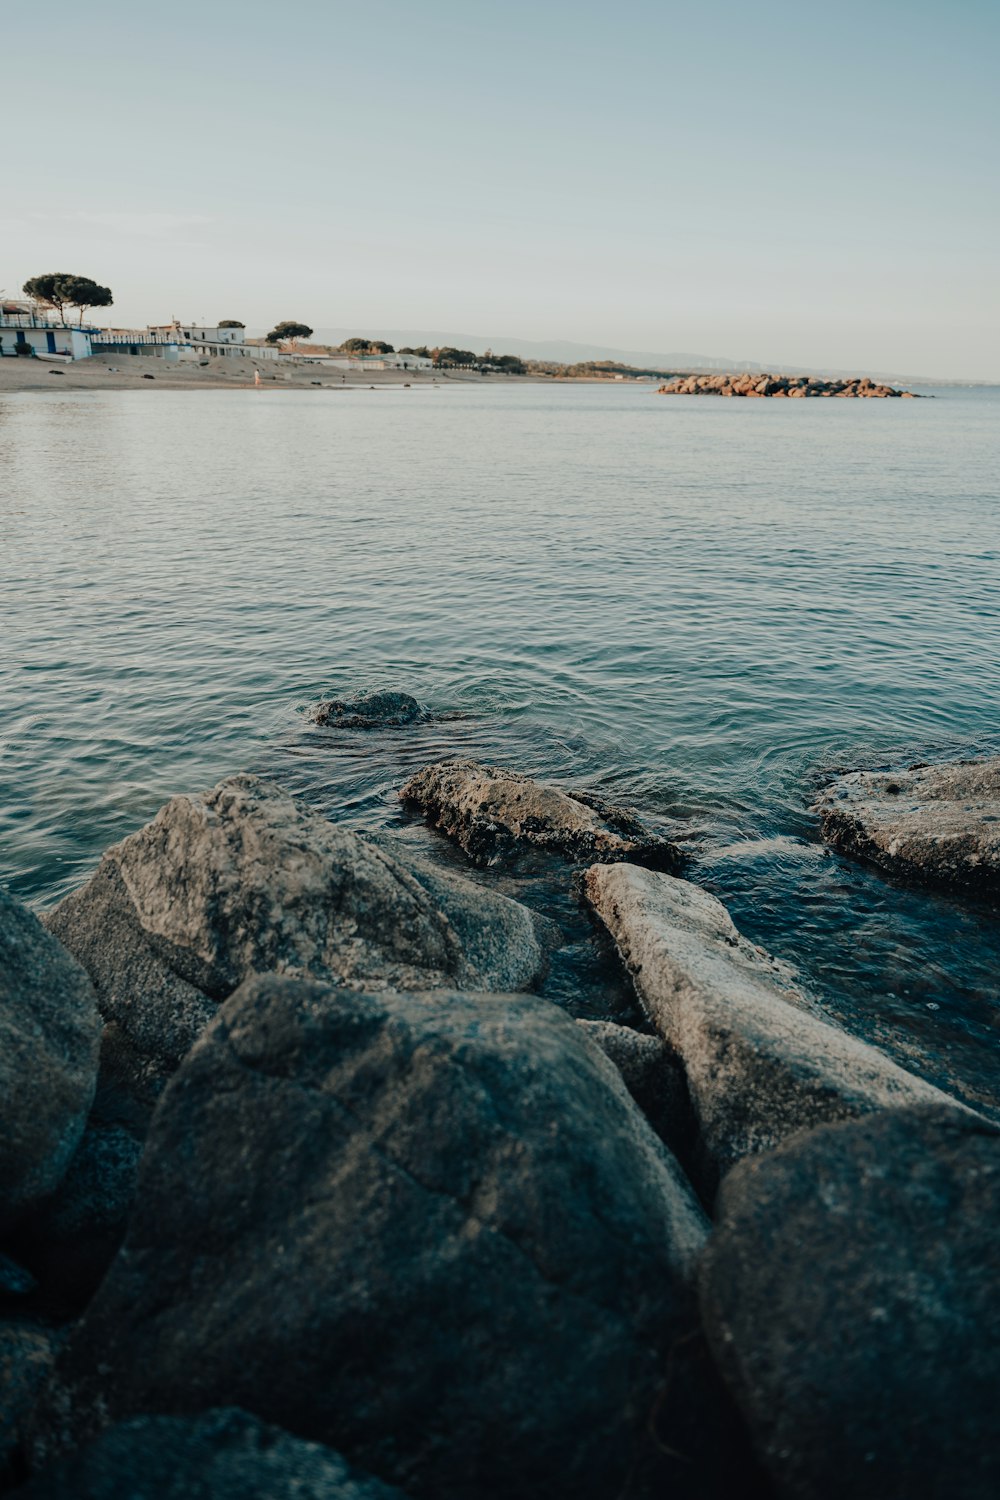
49	1036
760	1062
243	881
939	825
431	1230
493	813
222	1455
850	1297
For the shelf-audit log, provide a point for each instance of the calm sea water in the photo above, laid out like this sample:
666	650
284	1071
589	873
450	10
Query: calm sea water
698	606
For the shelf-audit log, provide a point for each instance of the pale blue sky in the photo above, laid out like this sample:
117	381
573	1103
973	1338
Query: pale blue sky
786	182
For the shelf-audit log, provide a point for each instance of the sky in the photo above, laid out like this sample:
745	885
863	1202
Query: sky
788	183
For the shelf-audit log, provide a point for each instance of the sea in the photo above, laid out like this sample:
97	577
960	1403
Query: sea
697	607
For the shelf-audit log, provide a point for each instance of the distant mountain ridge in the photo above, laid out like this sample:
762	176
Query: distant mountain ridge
567	352
564	351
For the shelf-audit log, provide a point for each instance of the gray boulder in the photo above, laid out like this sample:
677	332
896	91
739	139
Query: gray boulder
939	825
368	711
431	1230
493	813
243	881
221	1455
760	1061
849	1293
49	1038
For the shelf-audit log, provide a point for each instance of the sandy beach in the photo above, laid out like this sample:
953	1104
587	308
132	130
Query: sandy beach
127	372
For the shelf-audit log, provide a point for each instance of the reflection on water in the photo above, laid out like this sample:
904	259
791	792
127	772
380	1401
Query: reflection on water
696	606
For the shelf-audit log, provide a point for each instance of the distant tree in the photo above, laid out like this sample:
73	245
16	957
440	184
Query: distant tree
423	351
231	323
49	290
289	330
85	293
449	356
512	363
366	346
61	289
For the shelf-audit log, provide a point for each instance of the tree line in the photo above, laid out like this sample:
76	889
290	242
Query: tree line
61	290
444	357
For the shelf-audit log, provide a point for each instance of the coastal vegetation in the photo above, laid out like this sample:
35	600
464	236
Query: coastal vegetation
598	369
59	290
369	346
289	332
445	357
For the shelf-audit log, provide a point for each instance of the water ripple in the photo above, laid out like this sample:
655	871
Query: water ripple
701	608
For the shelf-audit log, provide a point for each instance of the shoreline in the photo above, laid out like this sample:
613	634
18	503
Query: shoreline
128	372
141	372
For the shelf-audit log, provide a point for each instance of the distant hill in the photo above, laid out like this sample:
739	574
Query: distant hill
566	352
563	350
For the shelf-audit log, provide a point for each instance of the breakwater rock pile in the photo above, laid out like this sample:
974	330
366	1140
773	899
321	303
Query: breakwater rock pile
776	385
304	1188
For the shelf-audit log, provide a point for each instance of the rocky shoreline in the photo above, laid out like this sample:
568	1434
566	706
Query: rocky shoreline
778	385
305	1190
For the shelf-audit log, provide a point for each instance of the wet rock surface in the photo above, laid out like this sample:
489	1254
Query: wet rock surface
243	880
221	1455
49	1033
431	1230
849	1296
494	814
935	825
391	1204
760	1061
381	710
777	385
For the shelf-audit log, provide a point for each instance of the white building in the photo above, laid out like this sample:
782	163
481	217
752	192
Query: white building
26	330
180	341
396	362
377	361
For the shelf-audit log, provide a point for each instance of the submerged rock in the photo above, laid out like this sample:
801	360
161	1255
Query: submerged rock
939	825
368	711
849	1293
430	1229
49	1036
760	1062
493	813
243	880
223	1454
